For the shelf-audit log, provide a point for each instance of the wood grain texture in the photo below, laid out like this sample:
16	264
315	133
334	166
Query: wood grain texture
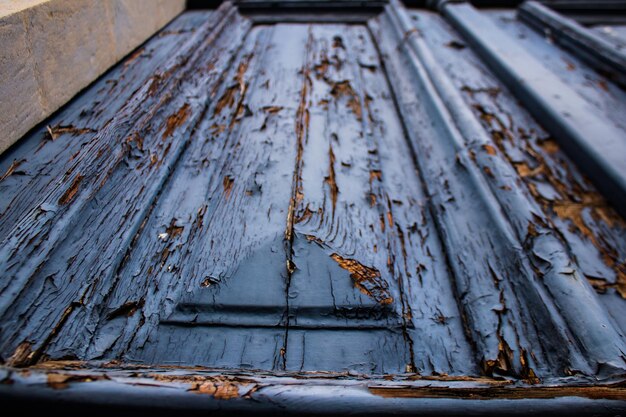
564	203
460	173
298	197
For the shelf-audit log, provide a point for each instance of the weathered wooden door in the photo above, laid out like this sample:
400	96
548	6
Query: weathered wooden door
292	187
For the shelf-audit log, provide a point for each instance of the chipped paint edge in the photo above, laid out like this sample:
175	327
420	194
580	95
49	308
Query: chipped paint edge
108	385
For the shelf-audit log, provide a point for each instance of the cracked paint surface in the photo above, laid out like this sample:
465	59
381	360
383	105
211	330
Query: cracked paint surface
286	198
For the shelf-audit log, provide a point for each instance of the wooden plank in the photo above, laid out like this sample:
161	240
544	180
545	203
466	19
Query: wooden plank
241	188
592	230
102	199
340	273
587	136
489	284
560	307
434	322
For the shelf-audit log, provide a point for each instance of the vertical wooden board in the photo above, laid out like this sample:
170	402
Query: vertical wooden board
89	219
180	216
594	142
336	222
589	226
434	323
177	220
503	308
235	261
